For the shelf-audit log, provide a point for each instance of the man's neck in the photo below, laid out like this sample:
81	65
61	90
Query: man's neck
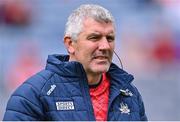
94	79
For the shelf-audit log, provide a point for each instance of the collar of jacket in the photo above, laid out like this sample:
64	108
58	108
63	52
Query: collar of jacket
60	65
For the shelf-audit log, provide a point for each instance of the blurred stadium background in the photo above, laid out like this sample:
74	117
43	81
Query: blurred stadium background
148	42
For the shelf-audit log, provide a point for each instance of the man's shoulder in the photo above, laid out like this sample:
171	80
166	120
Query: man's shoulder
40	79
26	98
35	83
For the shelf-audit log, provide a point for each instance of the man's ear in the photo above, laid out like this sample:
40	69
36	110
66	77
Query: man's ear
69	44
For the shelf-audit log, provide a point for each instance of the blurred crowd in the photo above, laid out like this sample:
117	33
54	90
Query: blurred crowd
148	43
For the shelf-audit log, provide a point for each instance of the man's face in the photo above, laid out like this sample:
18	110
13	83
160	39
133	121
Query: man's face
94	46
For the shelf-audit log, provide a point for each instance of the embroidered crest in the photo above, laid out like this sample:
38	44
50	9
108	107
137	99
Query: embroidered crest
124	108
65	105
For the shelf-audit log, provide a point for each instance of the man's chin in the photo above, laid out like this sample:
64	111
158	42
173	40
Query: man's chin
101	69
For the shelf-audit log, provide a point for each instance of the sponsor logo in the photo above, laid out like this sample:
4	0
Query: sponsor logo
65	105
126	92
51	89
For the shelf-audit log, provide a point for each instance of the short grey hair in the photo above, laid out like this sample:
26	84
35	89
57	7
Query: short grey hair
75	20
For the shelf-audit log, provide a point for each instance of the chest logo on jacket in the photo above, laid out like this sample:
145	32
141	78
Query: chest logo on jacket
124	108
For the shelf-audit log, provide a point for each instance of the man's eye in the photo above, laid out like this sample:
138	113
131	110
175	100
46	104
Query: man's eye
93	38
110	38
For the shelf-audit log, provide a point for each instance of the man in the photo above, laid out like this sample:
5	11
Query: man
85	85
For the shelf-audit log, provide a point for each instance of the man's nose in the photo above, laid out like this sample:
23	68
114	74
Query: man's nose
104	44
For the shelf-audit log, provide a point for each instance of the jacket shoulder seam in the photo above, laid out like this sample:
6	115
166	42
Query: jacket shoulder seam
46	79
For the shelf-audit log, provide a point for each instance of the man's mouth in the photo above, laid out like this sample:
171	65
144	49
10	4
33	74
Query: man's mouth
101	57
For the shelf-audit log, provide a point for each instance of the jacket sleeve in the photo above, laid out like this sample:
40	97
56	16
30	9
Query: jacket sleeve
142	109
24	104
142	113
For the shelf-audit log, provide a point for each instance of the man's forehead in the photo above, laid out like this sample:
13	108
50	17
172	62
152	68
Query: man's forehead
90	25
111	32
